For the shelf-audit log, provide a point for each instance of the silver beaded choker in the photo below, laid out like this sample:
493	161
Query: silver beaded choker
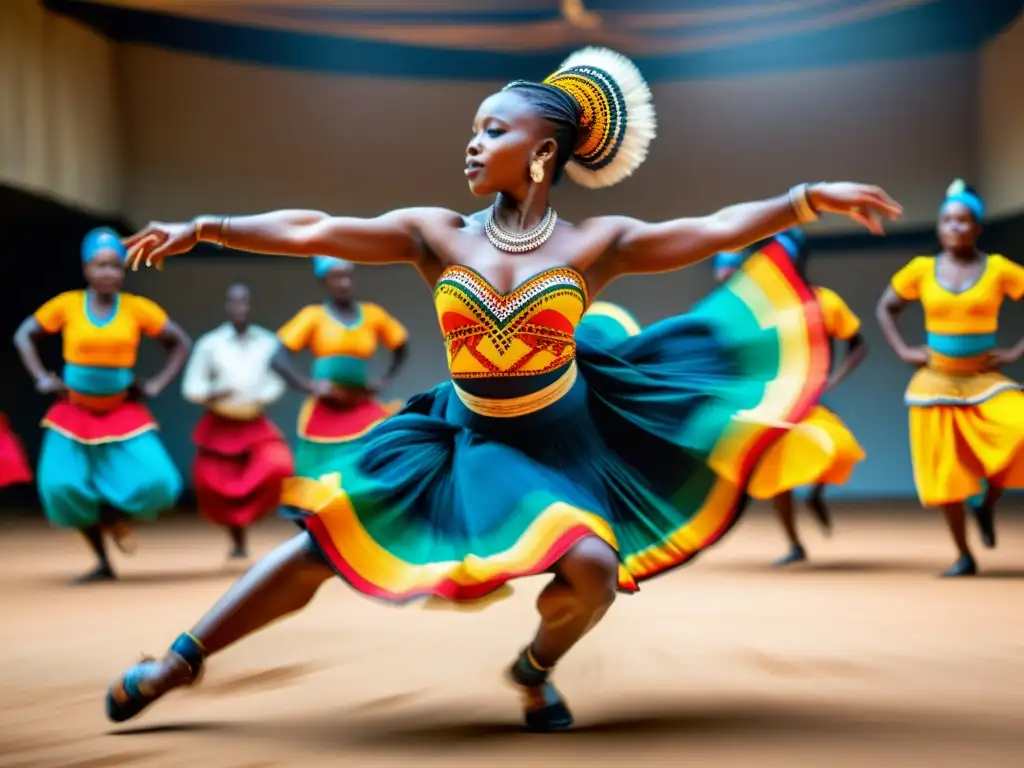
522	242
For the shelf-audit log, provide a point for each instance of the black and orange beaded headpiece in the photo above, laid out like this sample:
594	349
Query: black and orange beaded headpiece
616	116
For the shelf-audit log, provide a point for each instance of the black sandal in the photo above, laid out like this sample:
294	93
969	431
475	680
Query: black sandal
130	695
544	709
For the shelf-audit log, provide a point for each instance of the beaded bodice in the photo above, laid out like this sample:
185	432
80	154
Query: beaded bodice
526	332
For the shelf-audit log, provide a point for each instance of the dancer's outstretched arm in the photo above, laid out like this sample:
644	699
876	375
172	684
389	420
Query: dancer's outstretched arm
637	247
394	237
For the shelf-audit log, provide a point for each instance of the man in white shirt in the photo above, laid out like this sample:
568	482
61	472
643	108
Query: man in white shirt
241	457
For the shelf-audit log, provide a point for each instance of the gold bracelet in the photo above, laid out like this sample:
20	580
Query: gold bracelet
200	222
800	202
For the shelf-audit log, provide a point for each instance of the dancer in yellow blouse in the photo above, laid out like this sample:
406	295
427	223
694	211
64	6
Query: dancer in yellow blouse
966	418
342	334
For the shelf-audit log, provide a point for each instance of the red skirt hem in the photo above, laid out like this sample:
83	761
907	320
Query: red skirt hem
84	426
239	469
324	422
232	437
14	465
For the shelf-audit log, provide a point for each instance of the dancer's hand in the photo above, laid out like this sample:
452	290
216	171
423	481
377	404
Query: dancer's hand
915	356
377	386
348	396
148	389
50	384
343	396
150	246
866	204
997	358
219	394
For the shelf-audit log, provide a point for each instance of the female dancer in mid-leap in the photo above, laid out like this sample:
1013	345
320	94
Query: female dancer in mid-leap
552	449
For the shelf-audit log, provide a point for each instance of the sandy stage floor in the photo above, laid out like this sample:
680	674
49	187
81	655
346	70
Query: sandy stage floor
861	658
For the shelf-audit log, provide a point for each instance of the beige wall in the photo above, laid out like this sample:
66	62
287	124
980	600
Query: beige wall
215	136
1002	121
59	121
197	134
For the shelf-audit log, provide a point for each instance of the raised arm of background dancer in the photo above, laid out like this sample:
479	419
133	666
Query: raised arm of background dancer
887	313
25	342
394	237
856	353
283	364
177	343
640	247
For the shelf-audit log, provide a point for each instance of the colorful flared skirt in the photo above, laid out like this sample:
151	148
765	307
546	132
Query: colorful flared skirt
649	449
90	459
820	450
239	468
326	431
14	466
966	430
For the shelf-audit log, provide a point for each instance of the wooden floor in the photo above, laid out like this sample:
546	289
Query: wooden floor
861	658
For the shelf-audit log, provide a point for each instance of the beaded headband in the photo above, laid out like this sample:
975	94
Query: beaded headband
617	121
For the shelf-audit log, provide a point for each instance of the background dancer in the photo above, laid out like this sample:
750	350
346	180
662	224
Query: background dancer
342	334
102	462
966	418
14	464
241	456
823	451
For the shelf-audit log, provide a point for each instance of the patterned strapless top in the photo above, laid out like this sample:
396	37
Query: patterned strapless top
526	332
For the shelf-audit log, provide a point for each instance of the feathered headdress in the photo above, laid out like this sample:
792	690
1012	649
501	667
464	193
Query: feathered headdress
617	122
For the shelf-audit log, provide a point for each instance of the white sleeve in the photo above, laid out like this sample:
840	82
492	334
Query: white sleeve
195	384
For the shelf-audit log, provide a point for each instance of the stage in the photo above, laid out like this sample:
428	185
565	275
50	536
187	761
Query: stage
861	657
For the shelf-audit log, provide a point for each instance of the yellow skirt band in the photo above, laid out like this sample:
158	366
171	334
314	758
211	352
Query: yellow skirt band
964	429
802	457
511	407
956	381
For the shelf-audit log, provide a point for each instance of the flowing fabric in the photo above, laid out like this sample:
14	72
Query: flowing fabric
647	446
14	466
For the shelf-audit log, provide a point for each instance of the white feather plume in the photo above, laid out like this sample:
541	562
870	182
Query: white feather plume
640	118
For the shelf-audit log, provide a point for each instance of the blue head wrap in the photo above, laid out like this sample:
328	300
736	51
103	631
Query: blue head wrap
959	192
324	264
729	259
793	240
102	239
